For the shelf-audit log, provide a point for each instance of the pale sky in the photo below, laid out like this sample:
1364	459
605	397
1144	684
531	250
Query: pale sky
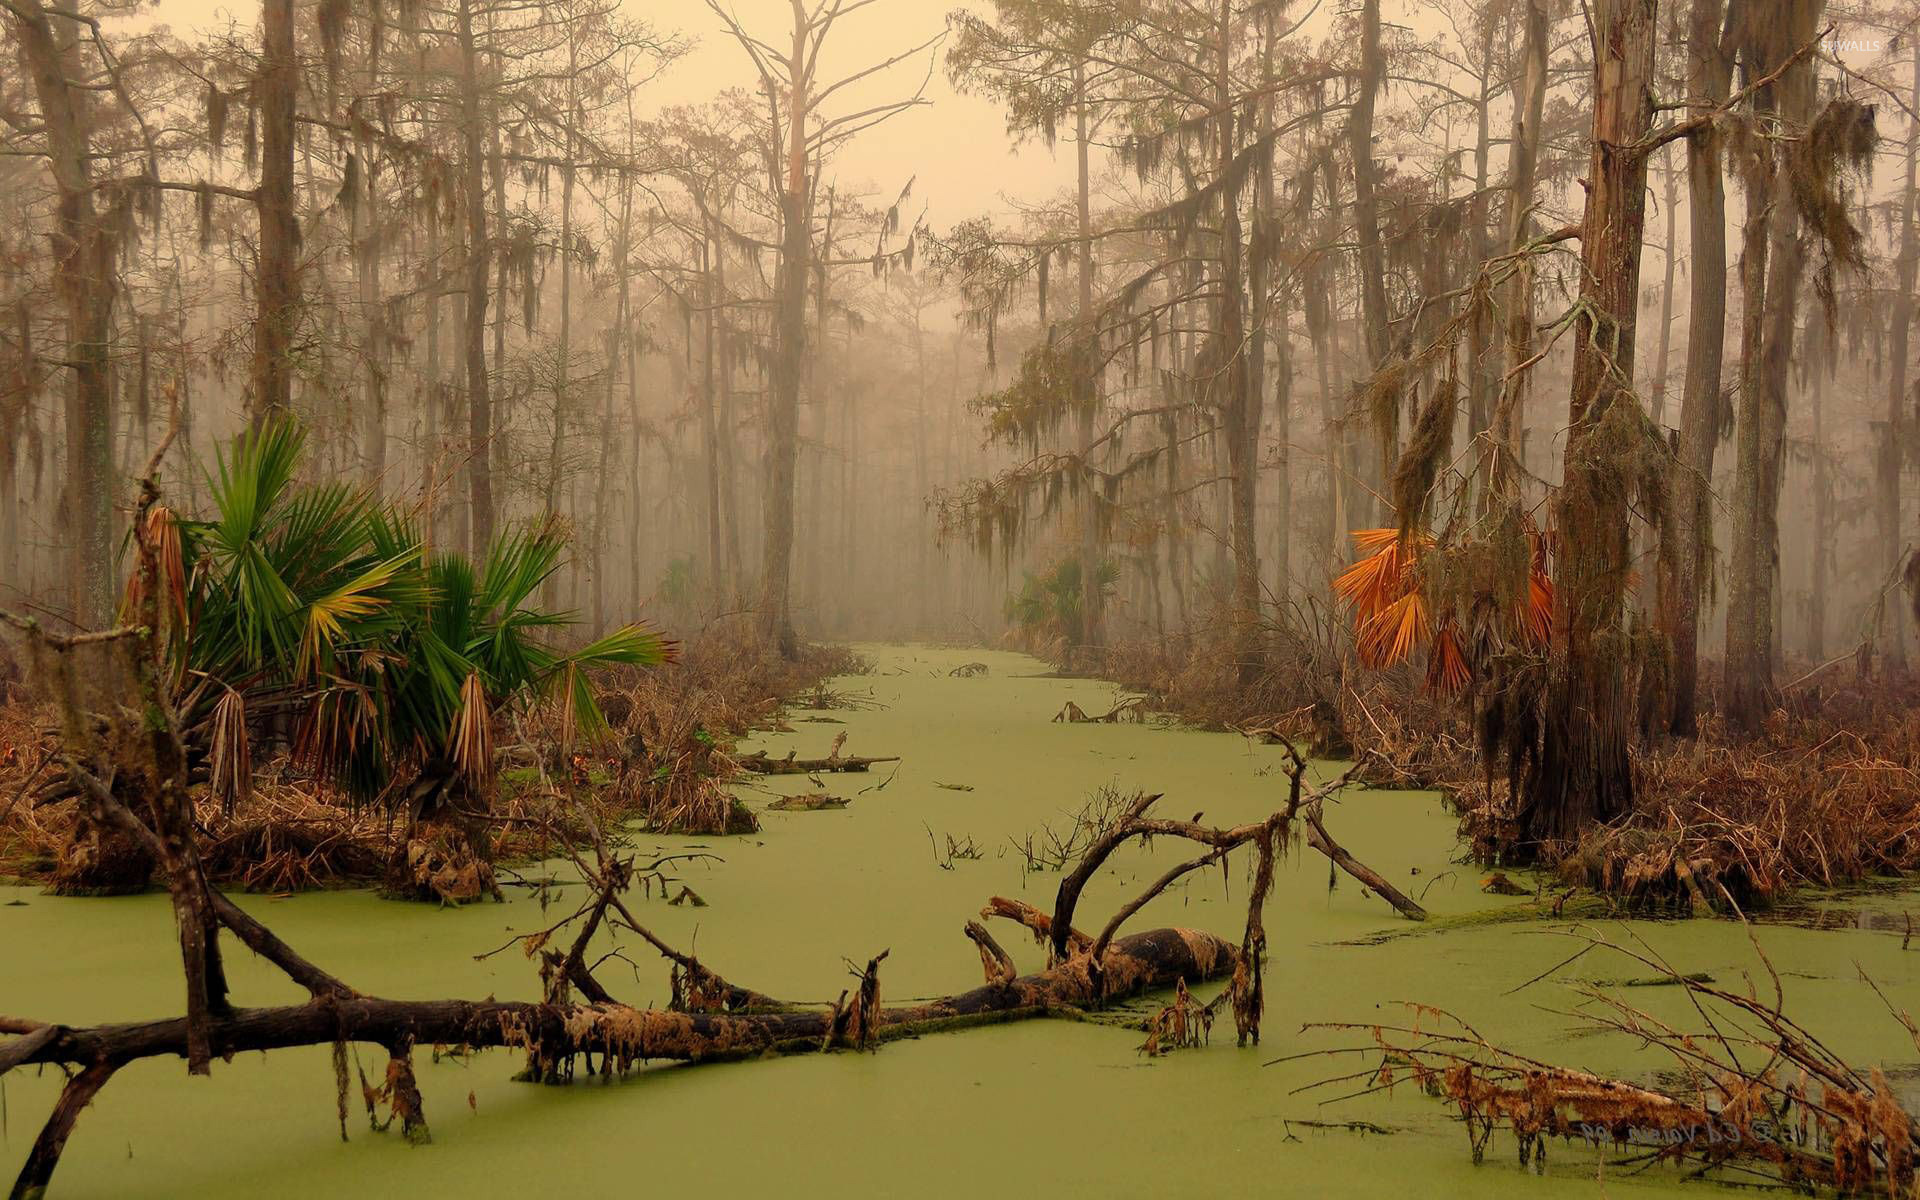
956	147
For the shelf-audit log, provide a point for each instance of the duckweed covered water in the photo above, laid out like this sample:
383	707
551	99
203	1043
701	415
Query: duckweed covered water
1045	1107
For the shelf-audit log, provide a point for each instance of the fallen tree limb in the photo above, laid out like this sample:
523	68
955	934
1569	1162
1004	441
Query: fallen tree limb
1318	838
760	763
553	1035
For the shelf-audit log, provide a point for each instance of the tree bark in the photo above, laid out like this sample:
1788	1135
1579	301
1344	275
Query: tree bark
1888	460
709	421
1582	774
1092	595
1372	266
1239	404
1516	295
85	246
1709	75
1821	556
1770	269
554	1034
473	131
789	356
276	285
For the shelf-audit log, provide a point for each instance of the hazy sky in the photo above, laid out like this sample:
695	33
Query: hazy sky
956	146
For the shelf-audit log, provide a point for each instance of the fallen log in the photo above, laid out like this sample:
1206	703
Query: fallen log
554	1034
761	763
1318	838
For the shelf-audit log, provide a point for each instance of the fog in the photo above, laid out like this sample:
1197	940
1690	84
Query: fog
968	420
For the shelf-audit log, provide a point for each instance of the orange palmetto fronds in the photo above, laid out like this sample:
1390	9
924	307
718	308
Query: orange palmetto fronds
1393	618
1447	669
1390	616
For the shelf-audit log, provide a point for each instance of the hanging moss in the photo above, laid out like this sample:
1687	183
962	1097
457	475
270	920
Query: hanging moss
216	120
1822	170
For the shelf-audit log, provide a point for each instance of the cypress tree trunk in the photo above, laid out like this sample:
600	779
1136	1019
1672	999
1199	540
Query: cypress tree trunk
1366	219
709	425
1887	464
1709	75
1771	262
1582	774
1092	597
789	358
1821	560
1516	294
473	129
84	249
276	287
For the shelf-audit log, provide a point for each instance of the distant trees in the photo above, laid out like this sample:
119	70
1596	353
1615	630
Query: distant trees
78	84
464	246
796	140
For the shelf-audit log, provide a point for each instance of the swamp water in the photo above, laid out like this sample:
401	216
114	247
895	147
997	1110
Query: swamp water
1047	1107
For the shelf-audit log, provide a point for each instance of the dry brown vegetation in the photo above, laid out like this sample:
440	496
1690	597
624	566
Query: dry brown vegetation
1827	794
663	765
1755	1097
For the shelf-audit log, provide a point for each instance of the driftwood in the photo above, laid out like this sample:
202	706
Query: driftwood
813	802
556	1034
1132	709
760	763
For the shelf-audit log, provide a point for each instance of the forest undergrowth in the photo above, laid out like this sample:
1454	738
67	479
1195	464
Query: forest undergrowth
662	764
1827	794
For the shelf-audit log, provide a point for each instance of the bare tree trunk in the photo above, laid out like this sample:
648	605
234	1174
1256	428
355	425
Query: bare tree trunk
500	448
1662	355
1270	324
1821	558
1366	219
709	425
721	329
85	246
1516	294
1482	382
922	537
563	381
1092	595
366	249
473	128
1709	75
1240	404
276	286
430	480
563	384
1892	438
1582	774
602	495
1771	263
789	358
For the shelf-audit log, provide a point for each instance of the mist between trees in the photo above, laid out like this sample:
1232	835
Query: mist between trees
1621	342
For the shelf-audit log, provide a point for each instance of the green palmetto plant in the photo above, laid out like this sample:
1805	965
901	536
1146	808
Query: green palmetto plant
320	603
1047	607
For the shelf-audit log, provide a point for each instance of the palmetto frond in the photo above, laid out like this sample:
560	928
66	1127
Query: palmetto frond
398	658
1393	619
357	609
1394	632
232	777
568	682
1447	669
470	739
